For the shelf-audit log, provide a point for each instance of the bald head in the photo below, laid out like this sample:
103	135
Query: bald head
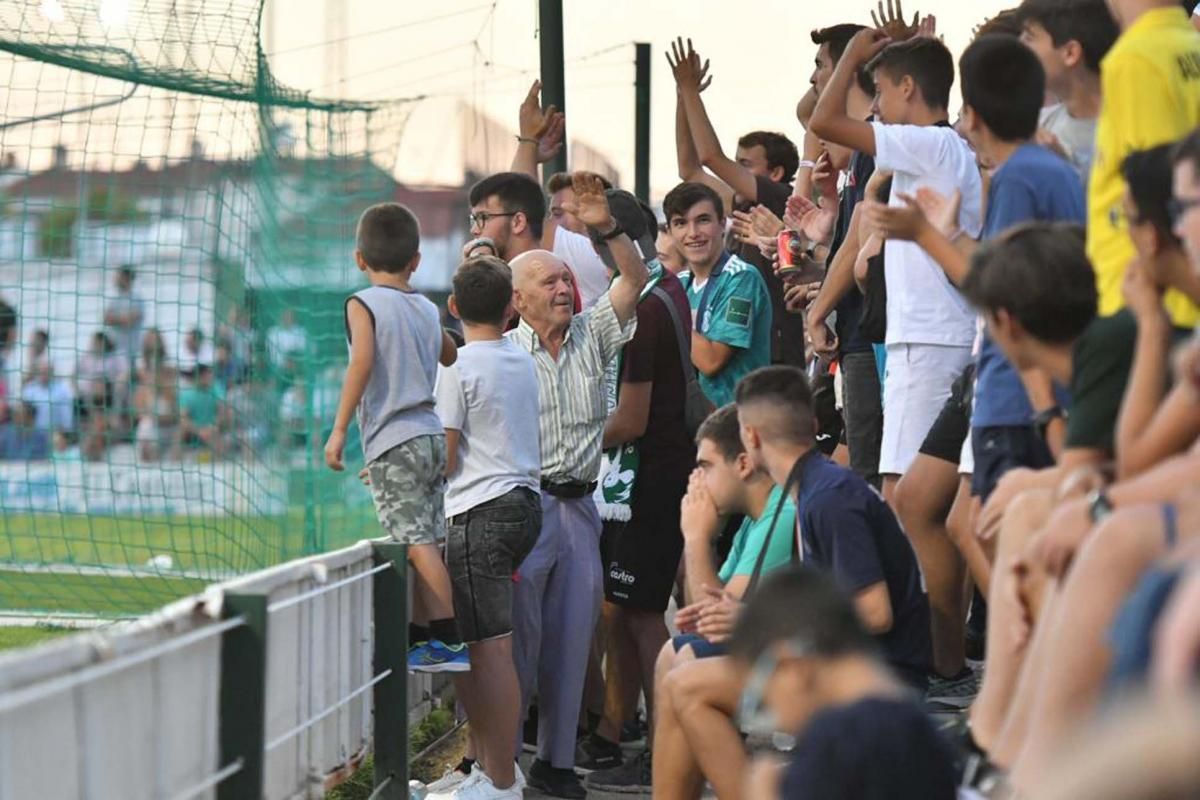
532	263
543	290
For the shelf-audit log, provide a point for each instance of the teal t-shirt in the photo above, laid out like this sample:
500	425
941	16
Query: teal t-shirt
748	541
738	314
200	405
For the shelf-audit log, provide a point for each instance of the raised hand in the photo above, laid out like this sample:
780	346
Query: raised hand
591	204
533	121
892	23
808	218
551	142
686	67
866	44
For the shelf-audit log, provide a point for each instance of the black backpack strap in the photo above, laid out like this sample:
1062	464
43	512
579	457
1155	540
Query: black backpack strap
684	341
793	480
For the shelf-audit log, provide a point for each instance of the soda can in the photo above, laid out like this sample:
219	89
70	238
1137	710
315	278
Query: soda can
791	249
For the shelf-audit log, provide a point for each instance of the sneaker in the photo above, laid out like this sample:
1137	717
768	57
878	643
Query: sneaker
595	752
956	692
454	777
555	782
484	789
632	777
436	656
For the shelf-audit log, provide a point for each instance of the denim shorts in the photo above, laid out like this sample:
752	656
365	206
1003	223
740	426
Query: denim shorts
484	548
701	647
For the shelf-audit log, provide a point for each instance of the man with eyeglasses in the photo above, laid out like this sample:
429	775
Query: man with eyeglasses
509	210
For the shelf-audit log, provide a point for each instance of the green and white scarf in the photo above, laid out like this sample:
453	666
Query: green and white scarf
618	471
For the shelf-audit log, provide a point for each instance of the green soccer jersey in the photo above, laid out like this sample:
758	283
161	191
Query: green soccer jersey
736	312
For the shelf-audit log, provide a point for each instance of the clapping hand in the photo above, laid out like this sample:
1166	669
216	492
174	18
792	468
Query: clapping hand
686	67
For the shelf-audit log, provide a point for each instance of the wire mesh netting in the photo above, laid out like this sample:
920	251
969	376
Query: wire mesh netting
175	239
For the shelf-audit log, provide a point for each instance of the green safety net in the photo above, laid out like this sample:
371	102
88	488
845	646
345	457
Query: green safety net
156	181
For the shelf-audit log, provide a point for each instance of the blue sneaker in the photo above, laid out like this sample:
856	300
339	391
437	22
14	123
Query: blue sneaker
437	656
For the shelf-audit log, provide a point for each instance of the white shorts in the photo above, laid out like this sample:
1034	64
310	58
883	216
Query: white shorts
966	461
916	385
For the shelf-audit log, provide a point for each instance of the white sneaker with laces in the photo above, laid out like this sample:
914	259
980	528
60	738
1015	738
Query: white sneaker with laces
452	780
484	789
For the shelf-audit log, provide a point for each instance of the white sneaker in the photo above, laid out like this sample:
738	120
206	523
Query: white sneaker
484	789
453	779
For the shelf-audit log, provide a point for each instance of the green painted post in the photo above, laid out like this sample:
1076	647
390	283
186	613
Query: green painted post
391	652
242	720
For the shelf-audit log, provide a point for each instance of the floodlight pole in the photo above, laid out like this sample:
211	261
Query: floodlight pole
554	90
641	138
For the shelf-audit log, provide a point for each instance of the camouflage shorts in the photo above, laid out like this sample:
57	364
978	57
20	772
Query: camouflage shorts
408	485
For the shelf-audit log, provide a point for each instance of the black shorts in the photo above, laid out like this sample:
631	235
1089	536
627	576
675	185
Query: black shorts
945	438
641	556
1002	448
484	548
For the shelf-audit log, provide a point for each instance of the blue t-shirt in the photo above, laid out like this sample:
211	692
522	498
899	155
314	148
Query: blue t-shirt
1033	185
877	748
737	313
848	529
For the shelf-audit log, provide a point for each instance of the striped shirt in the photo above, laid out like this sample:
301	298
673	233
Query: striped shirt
571	390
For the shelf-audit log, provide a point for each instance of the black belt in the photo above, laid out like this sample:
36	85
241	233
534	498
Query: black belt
571	490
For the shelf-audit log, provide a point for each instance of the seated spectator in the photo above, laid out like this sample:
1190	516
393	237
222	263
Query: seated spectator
815	673
156	405
227	371
154	354
724	483
101	373
37	355
252	410
20	438
52	399
200	417
63	449
286	341
196	350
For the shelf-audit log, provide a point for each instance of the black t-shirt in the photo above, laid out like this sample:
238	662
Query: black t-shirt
849	310
875	749
653	356
846	528
787	340
1100	366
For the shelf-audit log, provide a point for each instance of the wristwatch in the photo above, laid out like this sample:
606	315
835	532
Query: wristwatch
1099	506
1042	419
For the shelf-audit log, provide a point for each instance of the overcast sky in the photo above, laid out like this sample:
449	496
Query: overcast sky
487	53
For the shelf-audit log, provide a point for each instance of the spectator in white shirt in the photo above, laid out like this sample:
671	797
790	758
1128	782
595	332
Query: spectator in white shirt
124	315
52	399
286	340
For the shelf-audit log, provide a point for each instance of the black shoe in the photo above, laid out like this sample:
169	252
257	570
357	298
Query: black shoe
595	752
634	730
632	777
555	782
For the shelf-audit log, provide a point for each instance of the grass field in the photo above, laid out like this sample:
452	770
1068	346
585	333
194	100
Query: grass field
81	564
23	637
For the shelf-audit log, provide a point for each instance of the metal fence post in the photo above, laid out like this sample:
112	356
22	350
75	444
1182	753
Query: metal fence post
391	652
242	721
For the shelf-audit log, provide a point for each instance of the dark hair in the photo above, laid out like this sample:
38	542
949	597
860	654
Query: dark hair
562	180
1040	274
1004	83
1085	21
926	60
1147	173
8	321
801	605
780	151
662	228
482	290
1187	149
837	37
722	429
679	201
1004	23
786	389
42	334
517	192
388	237
106	344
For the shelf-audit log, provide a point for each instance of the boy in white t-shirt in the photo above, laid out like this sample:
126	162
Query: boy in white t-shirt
930	327
488	402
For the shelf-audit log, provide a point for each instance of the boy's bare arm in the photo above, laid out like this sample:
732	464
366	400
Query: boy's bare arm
358	373
452	438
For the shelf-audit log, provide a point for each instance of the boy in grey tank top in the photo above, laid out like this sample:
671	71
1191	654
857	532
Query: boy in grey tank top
396	341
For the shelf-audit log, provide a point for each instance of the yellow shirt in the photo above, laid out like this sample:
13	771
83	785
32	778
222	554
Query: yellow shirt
1151	96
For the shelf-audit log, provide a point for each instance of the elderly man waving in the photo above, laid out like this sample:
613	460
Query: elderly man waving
560	583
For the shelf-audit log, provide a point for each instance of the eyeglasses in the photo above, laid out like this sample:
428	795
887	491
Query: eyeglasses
1178	206
480	218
